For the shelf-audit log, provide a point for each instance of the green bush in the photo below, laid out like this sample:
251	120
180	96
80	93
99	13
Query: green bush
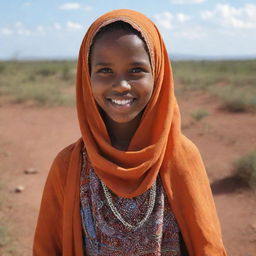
245	169
199	114
236	99
45	72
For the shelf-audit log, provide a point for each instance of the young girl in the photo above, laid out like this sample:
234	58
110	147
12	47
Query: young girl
133	184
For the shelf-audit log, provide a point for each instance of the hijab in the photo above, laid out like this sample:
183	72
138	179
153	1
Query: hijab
158	147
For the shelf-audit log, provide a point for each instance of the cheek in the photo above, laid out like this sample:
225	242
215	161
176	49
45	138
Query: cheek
96	86
96	92
148	87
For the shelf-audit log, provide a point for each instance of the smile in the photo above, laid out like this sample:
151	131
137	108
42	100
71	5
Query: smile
122	102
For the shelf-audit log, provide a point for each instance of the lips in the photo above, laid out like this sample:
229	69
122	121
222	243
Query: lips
121	101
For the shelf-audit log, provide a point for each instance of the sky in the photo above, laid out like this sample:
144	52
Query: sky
54	29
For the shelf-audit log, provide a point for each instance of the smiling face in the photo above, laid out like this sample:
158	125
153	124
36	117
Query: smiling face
121	76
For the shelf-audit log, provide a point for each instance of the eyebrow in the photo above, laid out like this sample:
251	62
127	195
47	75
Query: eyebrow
103	64
136	63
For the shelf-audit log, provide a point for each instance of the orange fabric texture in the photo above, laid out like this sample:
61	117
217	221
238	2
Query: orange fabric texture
157	147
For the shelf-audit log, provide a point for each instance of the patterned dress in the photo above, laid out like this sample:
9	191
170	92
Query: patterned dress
105	235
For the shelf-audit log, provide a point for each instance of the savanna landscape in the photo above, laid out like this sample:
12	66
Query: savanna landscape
217	100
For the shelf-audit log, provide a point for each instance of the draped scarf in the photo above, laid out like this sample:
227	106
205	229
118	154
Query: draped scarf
158	147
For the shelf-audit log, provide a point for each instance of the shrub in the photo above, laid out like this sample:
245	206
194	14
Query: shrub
245	169
46	72
65	73
199	114
236	99
2	68
3	235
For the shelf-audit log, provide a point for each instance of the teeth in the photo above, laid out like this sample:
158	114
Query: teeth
121	102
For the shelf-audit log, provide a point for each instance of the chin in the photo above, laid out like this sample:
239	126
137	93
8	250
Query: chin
124	119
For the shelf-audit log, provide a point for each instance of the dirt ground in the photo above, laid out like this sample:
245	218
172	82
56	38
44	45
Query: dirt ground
30	137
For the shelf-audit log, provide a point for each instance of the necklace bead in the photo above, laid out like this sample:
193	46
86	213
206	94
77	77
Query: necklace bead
151	203
152	199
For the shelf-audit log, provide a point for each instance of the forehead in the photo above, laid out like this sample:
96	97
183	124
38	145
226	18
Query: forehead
119	42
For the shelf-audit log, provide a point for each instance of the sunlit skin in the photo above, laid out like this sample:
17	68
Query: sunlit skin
122	83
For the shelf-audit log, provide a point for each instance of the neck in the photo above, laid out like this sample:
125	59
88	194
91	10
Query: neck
121	133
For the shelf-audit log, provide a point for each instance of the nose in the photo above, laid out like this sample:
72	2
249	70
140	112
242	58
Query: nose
121	85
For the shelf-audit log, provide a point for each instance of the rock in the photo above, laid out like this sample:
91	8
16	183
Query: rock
31	171
253	227
19	189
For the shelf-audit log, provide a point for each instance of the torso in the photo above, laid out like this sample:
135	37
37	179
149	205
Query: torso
105	234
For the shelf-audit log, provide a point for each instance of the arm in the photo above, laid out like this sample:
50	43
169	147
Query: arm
48	233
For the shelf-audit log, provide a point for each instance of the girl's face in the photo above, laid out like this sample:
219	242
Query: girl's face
121	76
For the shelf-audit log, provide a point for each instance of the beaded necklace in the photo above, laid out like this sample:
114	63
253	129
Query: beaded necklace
152	199
151	204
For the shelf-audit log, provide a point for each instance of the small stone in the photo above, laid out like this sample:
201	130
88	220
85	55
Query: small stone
19	189
31	171
253	226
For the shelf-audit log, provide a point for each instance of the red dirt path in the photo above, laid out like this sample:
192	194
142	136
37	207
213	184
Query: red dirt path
31	137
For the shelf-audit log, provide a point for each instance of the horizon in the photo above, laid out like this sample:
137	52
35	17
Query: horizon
173	57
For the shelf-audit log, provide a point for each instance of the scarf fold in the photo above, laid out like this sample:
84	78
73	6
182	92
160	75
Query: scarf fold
129	173
157	147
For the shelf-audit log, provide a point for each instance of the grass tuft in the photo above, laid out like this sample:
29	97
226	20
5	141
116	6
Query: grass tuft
245	169
4	239
44	83
199	114
45	72
236	99
233	82
2	68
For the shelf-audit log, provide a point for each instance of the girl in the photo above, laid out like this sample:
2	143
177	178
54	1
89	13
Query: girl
133	184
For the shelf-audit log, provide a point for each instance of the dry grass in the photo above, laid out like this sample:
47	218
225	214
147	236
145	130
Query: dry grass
43	83
47	82
199	114
233	82
245	169
7	247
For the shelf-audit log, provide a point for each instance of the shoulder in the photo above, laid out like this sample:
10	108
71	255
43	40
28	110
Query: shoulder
64	156
59	168
187	157
189	147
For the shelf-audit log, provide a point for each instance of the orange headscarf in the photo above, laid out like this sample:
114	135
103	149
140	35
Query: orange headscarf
157	147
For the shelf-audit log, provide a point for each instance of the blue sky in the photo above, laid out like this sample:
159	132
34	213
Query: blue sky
54	29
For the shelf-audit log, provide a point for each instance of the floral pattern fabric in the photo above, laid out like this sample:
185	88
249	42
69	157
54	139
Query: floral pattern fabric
105	235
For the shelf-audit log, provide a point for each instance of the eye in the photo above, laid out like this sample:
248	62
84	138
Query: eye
137	70
105	70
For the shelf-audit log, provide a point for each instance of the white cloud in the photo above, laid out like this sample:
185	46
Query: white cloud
182	17
74	26
70	6
164	19
187	1
168	20
57	26
74	6
229	16
6	31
